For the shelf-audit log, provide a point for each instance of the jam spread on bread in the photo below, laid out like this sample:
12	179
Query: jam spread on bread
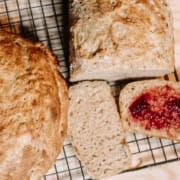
157	108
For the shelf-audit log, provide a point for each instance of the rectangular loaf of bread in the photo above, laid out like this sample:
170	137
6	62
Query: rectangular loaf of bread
151	107
95	130
120	39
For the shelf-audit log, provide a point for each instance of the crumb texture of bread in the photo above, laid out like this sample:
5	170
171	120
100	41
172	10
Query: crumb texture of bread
95	130
119	39
33	108
165	105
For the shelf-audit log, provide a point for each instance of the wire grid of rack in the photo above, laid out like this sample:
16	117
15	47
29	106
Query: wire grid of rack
46	21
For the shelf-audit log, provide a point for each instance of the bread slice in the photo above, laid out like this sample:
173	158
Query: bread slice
33	108
95	130
151	107
120	39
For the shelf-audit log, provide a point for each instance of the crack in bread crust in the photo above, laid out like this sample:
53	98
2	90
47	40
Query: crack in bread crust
129	25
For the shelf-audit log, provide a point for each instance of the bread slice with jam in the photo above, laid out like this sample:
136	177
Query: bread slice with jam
151	107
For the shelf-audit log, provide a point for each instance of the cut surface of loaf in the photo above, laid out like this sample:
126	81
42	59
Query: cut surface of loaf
151	107
120	39
33	108
95	130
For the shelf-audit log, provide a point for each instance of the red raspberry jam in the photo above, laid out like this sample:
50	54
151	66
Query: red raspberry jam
157	108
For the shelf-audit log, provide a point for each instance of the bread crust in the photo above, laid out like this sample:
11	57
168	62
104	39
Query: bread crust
133	90
120	35
33	106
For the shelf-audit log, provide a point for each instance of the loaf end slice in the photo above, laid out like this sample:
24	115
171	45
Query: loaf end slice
151	107
95	130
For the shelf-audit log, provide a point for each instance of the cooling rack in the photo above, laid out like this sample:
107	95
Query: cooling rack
47	21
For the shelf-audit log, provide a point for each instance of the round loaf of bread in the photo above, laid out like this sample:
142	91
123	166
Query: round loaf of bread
33	108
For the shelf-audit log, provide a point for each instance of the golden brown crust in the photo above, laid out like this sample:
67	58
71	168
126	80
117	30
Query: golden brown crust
33	107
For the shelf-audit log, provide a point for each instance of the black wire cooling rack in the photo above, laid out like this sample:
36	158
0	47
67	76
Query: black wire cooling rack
47	21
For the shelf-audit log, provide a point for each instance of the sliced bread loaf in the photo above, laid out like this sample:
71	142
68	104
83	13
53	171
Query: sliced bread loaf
151	107
95	130
119	39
